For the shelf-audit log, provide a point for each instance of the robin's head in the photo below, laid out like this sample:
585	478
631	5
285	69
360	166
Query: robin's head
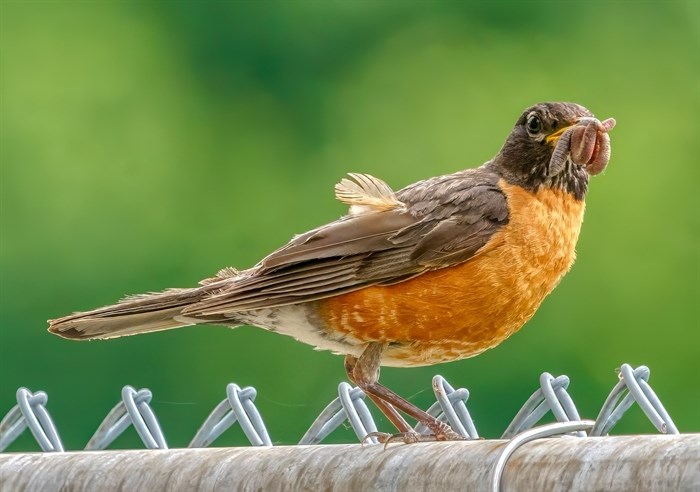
556	145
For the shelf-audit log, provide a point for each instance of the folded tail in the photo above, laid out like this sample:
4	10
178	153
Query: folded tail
138	314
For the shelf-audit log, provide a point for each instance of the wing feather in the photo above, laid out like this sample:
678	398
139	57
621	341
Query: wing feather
432	224
366	194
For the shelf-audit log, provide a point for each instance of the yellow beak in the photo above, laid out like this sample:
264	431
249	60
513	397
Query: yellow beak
555	136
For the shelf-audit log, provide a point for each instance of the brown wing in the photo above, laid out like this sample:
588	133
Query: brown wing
389	238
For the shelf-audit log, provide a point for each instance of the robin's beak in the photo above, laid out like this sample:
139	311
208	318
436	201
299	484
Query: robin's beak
553	137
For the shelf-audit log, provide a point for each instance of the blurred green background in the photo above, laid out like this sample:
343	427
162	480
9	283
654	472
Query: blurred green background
145	145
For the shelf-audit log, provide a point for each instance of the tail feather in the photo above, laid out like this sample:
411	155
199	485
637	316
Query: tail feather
137	314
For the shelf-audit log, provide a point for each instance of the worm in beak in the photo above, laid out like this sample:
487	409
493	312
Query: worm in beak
587	142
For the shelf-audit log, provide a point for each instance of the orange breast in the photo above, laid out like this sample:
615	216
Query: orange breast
460	311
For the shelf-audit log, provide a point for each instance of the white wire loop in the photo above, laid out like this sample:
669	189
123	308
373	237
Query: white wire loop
350	406
634	386
551	396
239	406
450	407
133	409
30	412
548	430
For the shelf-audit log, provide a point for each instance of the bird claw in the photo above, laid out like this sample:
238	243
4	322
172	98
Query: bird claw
451	435
405	437
413	436
382	437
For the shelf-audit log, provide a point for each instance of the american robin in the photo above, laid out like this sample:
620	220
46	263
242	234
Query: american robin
438	271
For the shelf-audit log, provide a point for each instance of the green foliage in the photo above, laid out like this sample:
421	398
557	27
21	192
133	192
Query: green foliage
147	145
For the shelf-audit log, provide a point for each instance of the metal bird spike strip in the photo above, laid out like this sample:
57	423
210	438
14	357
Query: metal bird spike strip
450	406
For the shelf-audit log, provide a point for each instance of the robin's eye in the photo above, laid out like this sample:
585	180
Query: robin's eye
534	125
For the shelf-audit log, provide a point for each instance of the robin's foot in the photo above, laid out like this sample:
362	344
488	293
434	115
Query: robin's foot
443	432
413	436
404	437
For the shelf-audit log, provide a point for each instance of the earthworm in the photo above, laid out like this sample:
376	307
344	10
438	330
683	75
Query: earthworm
588	144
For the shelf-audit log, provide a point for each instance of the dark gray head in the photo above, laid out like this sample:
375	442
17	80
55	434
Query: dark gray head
554	144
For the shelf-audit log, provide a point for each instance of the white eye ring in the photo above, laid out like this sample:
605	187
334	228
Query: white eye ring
533	124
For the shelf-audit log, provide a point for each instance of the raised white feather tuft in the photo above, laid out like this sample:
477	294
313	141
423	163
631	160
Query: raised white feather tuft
366	194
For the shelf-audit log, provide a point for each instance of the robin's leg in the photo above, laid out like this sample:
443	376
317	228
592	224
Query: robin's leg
365	373
391	413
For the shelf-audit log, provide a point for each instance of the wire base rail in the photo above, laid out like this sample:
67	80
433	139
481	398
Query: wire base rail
239	407
615	463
